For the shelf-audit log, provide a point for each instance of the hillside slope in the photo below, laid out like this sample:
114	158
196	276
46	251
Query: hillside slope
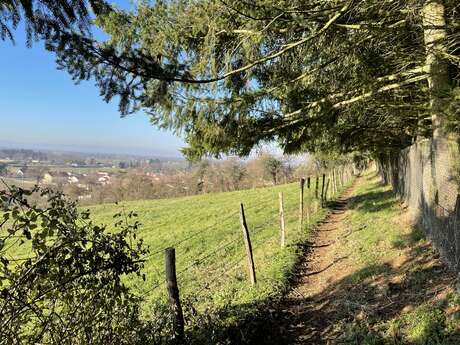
207	235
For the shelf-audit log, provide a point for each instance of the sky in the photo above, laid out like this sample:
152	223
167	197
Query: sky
42	108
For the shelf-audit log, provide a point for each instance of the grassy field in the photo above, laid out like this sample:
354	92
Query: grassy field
206	232
211	260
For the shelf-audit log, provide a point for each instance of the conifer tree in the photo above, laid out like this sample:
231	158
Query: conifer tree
342	75
43	17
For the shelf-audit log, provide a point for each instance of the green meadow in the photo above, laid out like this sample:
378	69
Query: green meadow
205	230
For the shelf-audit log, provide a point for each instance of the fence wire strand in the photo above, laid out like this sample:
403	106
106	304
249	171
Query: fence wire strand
256	232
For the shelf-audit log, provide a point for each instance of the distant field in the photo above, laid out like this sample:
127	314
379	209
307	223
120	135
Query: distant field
68	168
85	170
24	183
206	233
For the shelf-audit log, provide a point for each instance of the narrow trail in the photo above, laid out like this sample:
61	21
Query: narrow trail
305	314
322	266
368	276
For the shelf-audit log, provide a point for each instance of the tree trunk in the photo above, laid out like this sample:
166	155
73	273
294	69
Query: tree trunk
434	29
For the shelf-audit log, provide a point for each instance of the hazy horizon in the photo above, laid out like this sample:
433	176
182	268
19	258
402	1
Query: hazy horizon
87	150
40	106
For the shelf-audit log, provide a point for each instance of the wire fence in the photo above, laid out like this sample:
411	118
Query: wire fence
250	241
219	254
426	177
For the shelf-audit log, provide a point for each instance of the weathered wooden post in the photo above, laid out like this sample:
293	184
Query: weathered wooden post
334	182
173	294
325	193
329	177
322	190
316	187
282	224
341	176
337	178
247	242
302	184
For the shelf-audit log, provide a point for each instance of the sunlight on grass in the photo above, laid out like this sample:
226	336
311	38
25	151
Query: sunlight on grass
395	263
206	232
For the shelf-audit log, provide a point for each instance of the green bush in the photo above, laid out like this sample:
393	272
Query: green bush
69	289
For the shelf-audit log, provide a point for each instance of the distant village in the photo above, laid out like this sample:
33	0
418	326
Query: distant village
77	172
98	178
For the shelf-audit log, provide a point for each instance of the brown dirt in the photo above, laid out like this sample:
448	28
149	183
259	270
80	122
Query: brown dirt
323	266
324	298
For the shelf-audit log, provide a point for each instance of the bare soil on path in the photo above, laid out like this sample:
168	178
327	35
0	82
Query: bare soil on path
306	309
334	296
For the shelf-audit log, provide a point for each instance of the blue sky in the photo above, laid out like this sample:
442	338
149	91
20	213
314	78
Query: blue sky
41	107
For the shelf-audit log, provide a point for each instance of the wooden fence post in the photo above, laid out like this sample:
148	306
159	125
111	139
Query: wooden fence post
337	178
247	242
325	193
173	294
307	214
334	181
282	224
340	177
331	191
302	184
316	187
322	190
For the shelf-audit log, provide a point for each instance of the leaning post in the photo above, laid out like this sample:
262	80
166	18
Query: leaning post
247	242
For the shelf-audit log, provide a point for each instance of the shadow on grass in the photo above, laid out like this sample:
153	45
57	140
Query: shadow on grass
372	201
359	309
403	302
408	240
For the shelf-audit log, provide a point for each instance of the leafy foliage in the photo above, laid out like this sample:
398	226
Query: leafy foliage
342	75
43	17
272	166
69	289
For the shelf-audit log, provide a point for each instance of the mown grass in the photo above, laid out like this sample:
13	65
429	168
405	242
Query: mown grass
206	233
404	294
211	260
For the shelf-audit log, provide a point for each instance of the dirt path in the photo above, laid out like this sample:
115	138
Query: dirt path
323	265
366	269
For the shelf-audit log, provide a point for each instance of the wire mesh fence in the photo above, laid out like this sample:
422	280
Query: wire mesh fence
427	177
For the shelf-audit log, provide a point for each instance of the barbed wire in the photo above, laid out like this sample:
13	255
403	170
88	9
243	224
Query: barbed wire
257	244
193	235
179	274
258	229
156	286
225	273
